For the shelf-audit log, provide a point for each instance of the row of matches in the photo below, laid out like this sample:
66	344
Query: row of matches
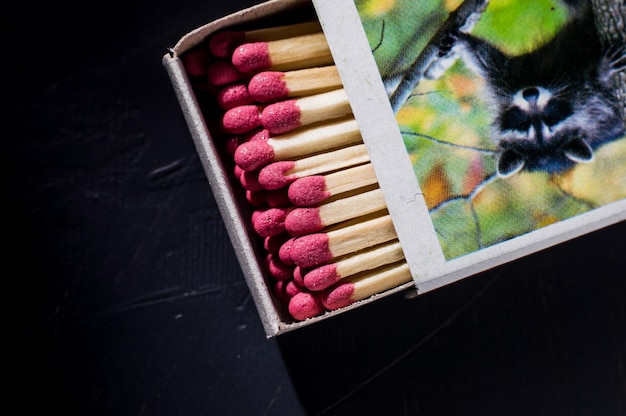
298	153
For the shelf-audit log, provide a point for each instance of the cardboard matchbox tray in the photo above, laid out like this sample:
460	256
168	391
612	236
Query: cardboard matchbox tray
435	164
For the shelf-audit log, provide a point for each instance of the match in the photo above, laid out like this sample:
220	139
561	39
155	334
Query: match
288	115
232	142
278	269
250	181
223	43
272	244
222	73
279	290
314	189
277	198
360	287
292	288
256	198
305	305
298	277
269	222
196	62
269	86
289	54
234	95
300	221
241	119
280	174
325	276
315	249
284	252
255	154
287	289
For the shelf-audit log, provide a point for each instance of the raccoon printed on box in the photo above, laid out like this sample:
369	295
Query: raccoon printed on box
554	106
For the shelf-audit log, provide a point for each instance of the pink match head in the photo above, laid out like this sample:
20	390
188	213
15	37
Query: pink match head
256	214
310	250
196	62
250	181
274	175
259	134
279	291
277	198
222	44
322	277
254	155
223	73
231	144
270	222
241	119
268	86
307	191
284	252
298	276
278	270
233	95
301	221
338	296
256	198
292	288
237	171
305	305
281	117
251	57
273	243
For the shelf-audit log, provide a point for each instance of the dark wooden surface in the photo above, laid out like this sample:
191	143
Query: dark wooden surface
124	296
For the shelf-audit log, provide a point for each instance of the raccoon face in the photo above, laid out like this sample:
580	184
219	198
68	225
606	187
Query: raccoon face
540	131
554	106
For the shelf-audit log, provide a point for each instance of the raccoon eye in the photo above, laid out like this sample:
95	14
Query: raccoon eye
556	111
515	119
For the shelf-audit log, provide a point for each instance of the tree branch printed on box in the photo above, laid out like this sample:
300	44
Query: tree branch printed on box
509	110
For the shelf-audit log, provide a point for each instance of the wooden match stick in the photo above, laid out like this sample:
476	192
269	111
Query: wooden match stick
312	190
301	221
269	86
325	276
315	249
288	115
277	175
360	287
299	143
223	43
284	116
289	54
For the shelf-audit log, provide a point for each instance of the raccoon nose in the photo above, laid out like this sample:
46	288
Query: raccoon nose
531	94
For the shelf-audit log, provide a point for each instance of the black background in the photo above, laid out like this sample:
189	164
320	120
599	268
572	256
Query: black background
124	296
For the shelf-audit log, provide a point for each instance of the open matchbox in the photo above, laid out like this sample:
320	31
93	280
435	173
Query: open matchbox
428	141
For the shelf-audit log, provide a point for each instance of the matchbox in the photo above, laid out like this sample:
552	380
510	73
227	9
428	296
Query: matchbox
361	148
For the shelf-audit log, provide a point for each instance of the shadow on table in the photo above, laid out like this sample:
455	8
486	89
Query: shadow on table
543	335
